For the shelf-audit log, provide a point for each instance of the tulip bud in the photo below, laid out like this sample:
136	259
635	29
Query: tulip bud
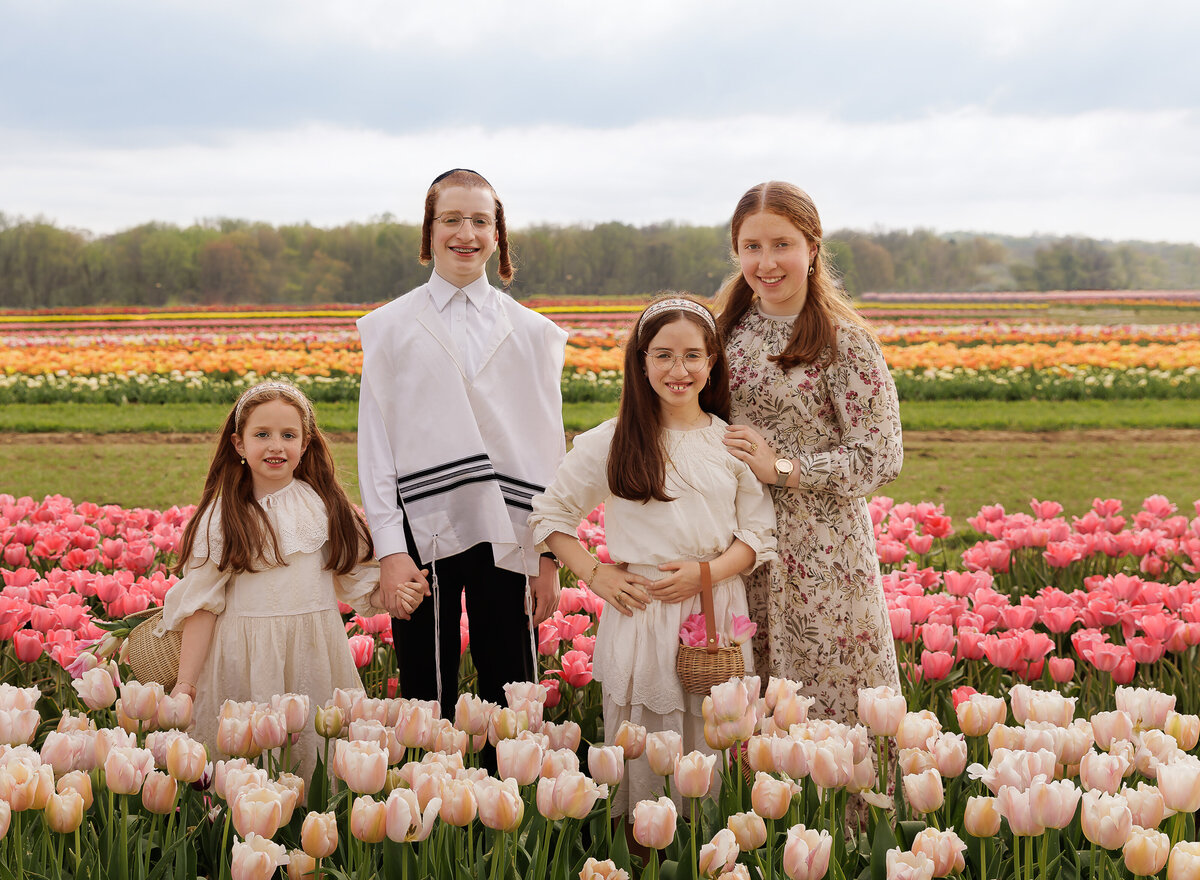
257	810
719	854
632	739
943	848
158	793
606	764
663	749
519	759
500	805
924	791
330	721
1106	820
806	853
301	866
78	781
981	819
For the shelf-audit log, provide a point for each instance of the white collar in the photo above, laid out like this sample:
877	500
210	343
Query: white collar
441	291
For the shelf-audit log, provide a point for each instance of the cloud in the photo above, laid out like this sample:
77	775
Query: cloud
1116	174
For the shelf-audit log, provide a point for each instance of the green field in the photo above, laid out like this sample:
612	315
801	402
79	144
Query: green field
964	470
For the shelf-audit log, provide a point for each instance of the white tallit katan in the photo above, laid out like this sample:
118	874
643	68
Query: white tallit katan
470	453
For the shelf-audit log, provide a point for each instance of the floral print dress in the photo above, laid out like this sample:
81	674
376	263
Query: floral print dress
821	615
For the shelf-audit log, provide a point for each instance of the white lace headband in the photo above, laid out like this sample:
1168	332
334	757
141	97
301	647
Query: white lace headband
291	392
678	304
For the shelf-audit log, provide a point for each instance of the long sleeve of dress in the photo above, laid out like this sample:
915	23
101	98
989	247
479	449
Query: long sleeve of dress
580	483
356	588
755	514
202	588
864	396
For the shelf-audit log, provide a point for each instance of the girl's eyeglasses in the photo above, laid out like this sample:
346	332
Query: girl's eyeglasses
453	220
663	360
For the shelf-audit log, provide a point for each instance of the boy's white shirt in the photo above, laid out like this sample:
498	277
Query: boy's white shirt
468	428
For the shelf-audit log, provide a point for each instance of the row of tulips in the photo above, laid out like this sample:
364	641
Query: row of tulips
594	374
779	794
332	352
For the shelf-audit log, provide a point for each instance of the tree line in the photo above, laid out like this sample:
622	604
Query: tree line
237	261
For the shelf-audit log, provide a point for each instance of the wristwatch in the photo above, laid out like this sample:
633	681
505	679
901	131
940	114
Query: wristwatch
783	470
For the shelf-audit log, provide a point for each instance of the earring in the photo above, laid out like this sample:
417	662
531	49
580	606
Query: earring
812	269
243	460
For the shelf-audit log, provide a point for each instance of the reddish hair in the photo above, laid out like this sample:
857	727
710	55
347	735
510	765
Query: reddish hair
249	541
637	461
470	180
814	334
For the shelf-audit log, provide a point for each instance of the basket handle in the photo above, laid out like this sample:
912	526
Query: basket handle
706	608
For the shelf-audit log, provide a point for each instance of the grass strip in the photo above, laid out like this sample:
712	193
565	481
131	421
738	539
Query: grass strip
960	472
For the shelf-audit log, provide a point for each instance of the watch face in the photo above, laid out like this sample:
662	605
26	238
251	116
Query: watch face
783	466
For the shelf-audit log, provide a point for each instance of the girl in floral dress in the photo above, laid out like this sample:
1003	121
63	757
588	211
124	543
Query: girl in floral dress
816	418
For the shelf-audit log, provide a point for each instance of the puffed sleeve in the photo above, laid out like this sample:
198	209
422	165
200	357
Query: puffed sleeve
755	514
355	588
864	396
580	483
202	588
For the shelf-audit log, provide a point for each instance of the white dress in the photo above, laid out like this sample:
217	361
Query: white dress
277	630
717	499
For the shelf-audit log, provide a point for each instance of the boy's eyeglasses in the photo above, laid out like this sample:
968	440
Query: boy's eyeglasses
453	220
663	360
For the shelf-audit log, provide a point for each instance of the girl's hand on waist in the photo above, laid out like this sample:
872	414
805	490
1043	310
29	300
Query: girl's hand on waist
621	589
682	583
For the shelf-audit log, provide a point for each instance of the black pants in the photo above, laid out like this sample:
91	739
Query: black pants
499	630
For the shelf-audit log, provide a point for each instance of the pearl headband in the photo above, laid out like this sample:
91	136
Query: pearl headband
291	392
678	304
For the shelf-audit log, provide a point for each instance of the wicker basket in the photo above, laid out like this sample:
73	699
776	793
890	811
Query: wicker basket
153	658
701	669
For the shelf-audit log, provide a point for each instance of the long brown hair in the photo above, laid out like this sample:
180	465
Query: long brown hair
471	180
637	461
814	334
249	540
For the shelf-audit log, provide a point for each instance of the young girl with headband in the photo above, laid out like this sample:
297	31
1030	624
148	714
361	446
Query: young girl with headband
674	501
272	547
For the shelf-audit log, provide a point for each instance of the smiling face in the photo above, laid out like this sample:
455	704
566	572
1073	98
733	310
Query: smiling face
775	256
678	389
460	253
272	441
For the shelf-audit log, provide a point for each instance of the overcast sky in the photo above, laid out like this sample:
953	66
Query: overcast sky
1015	117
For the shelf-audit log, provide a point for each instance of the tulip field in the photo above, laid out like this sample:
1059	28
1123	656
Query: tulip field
1046	724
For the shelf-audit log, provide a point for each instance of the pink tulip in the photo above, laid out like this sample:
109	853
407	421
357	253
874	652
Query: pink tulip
654	823
1184	861
471	714
28	645
770	797
693	774
881	708
1179	784
256	858
576	668
64	811
606	764
319	835
362	765
632	739
500	805
1106	819
748	829
78	781
125	769
140	701
563	736
519	759
269	730
368	818
1146	803
982	817
832	764
917	729
741	630
158	793
943	848
924	791
257	809
806	853
663	749
235	737
95	688
295	709
18	726
1101	772
459	804
1145	852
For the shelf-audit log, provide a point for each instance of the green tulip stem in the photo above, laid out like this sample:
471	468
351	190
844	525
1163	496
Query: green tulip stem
695	858
1029	857
770	875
